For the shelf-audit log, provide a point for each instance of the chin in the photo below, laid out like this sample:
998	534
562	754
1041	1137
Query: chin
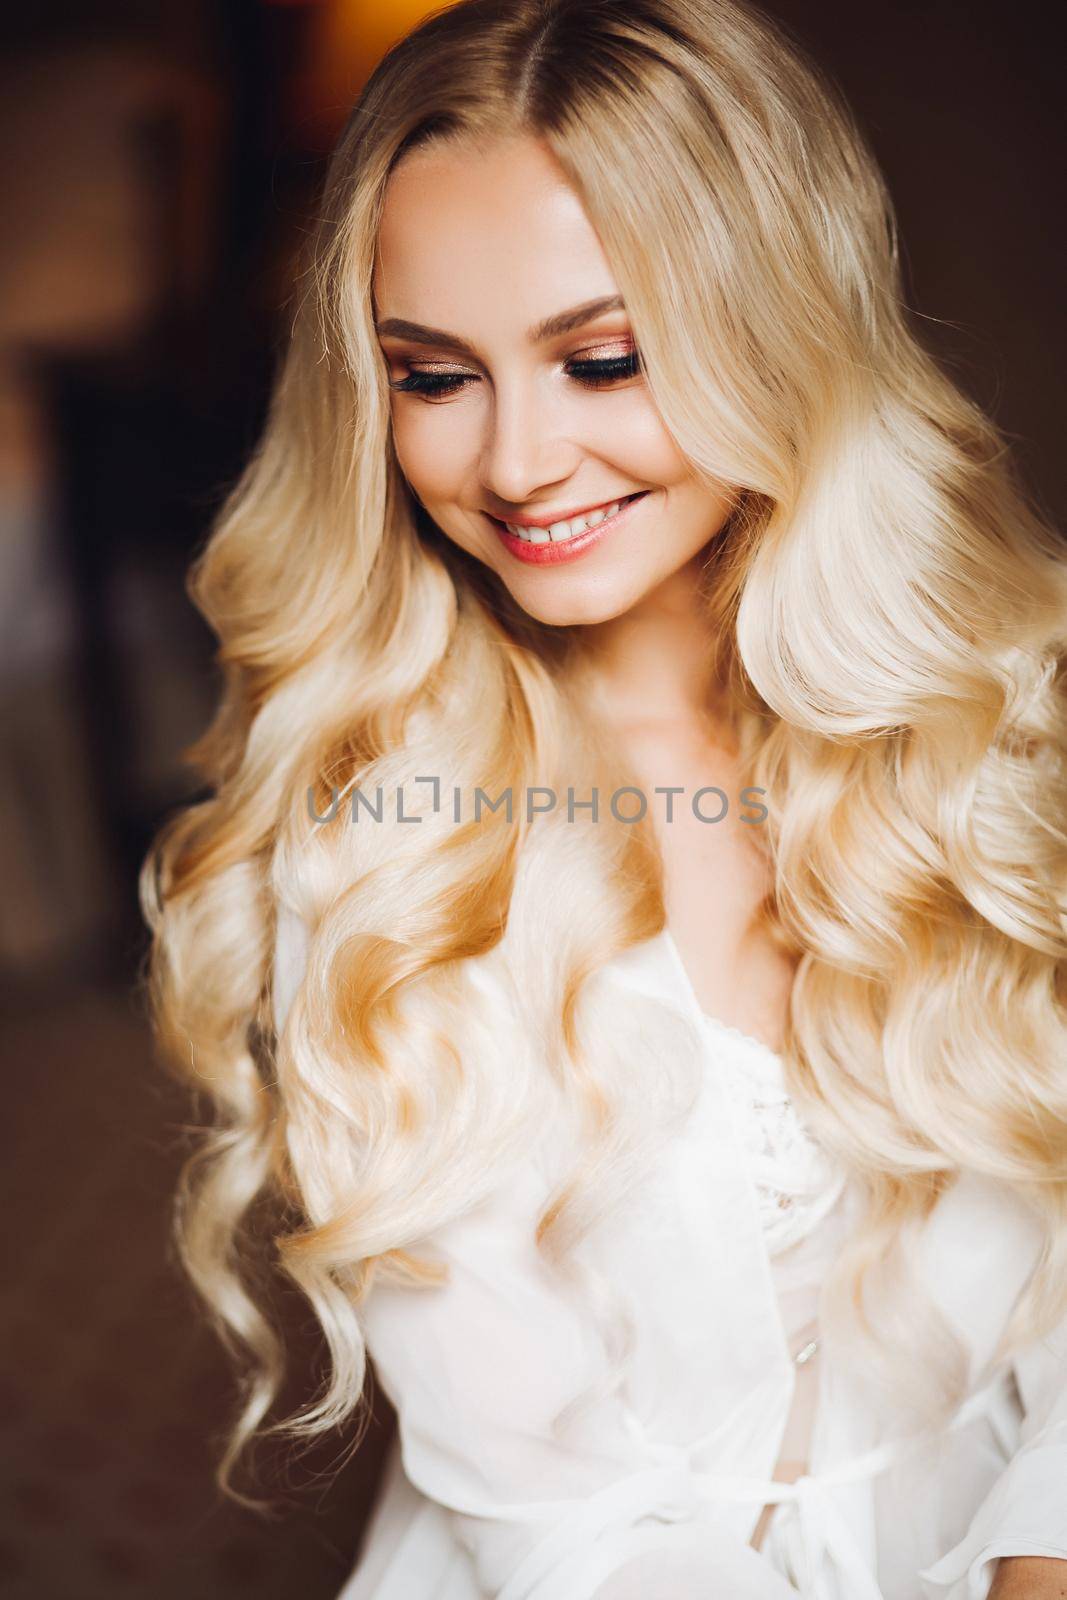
573	610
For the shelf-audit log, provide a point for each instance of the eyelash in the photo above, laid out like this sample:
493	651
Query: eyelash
594	374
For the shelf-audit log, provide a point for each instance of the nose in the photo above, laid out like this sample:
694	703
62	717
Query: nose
527	448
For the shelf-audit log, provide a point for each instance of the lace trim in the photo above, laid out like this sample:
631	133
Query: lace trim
796	1182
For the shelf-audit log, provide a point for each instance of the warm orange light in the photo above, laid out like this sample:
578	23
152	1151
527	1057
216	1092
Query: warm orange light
346	40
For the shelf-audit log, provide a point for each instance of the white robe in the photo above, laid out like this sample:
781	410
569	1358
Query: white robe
661	1495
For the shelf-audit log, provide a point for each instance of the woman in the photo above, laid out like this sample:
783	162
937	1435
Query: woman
626	937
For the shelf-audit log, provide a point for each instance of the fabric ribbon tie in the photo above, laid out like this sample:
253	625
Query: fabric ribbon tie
824	1532
674	1491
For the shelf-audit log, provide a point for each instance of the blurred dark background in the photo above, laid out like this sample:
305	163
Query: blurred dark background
158	159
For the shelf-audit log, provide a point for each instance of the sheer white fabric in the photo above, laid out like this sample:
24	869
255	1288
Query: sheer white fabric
799	1191
660	1492
796	1183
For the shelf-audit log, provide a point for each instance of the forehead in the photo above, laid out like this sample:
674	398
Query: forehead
485	238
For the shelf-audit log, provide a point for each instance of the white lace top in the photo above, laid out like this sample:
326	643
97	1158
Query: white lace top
798	1189
796	1183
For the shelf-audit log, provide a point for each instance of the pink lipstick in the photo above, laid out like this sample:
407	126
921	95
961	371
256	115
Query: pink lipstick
552	552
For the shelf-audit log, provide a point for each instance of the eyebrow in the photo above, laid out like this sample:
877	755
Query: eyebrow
551	328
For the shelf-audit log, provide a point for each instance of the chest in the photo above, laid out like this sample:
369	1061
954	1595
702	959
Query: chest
716	878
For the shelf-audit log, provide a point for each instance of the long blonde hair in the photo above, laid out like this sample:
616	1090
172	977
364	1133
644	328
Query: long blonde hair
889	618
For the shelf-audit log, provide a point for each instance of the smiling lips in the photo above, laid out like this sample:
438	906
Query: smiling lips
538	529
539	542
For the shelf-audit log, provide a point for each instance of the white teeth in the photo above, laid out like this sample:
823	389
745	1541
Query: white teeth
560	531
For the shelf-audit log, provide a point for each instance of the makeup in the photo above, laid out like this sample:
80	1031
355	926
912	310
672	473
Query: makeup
551	552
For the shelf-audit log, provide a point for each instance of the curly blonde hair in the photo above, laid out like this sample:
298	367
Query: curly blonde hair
889	621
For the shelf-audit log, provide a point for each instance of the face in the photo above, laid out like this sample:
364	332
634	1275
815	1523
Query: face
520	416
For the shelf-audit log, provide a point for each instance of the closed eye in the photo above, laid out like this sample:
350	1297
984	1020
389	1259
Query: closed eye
592	373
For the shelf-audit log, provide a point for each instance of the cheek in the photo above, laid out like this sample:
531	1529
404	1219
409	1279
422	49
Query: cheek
430	448
640	440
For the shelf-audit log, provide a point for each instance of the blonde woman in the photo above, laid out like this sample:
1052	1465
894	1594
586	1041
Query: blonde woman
626	944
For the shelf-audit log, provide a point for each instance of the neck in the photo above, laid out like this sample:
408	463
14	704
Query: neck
653	664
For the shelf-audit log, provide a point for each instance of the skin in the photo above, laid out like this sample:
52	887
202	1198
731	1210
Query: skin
1029	1578
522	436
